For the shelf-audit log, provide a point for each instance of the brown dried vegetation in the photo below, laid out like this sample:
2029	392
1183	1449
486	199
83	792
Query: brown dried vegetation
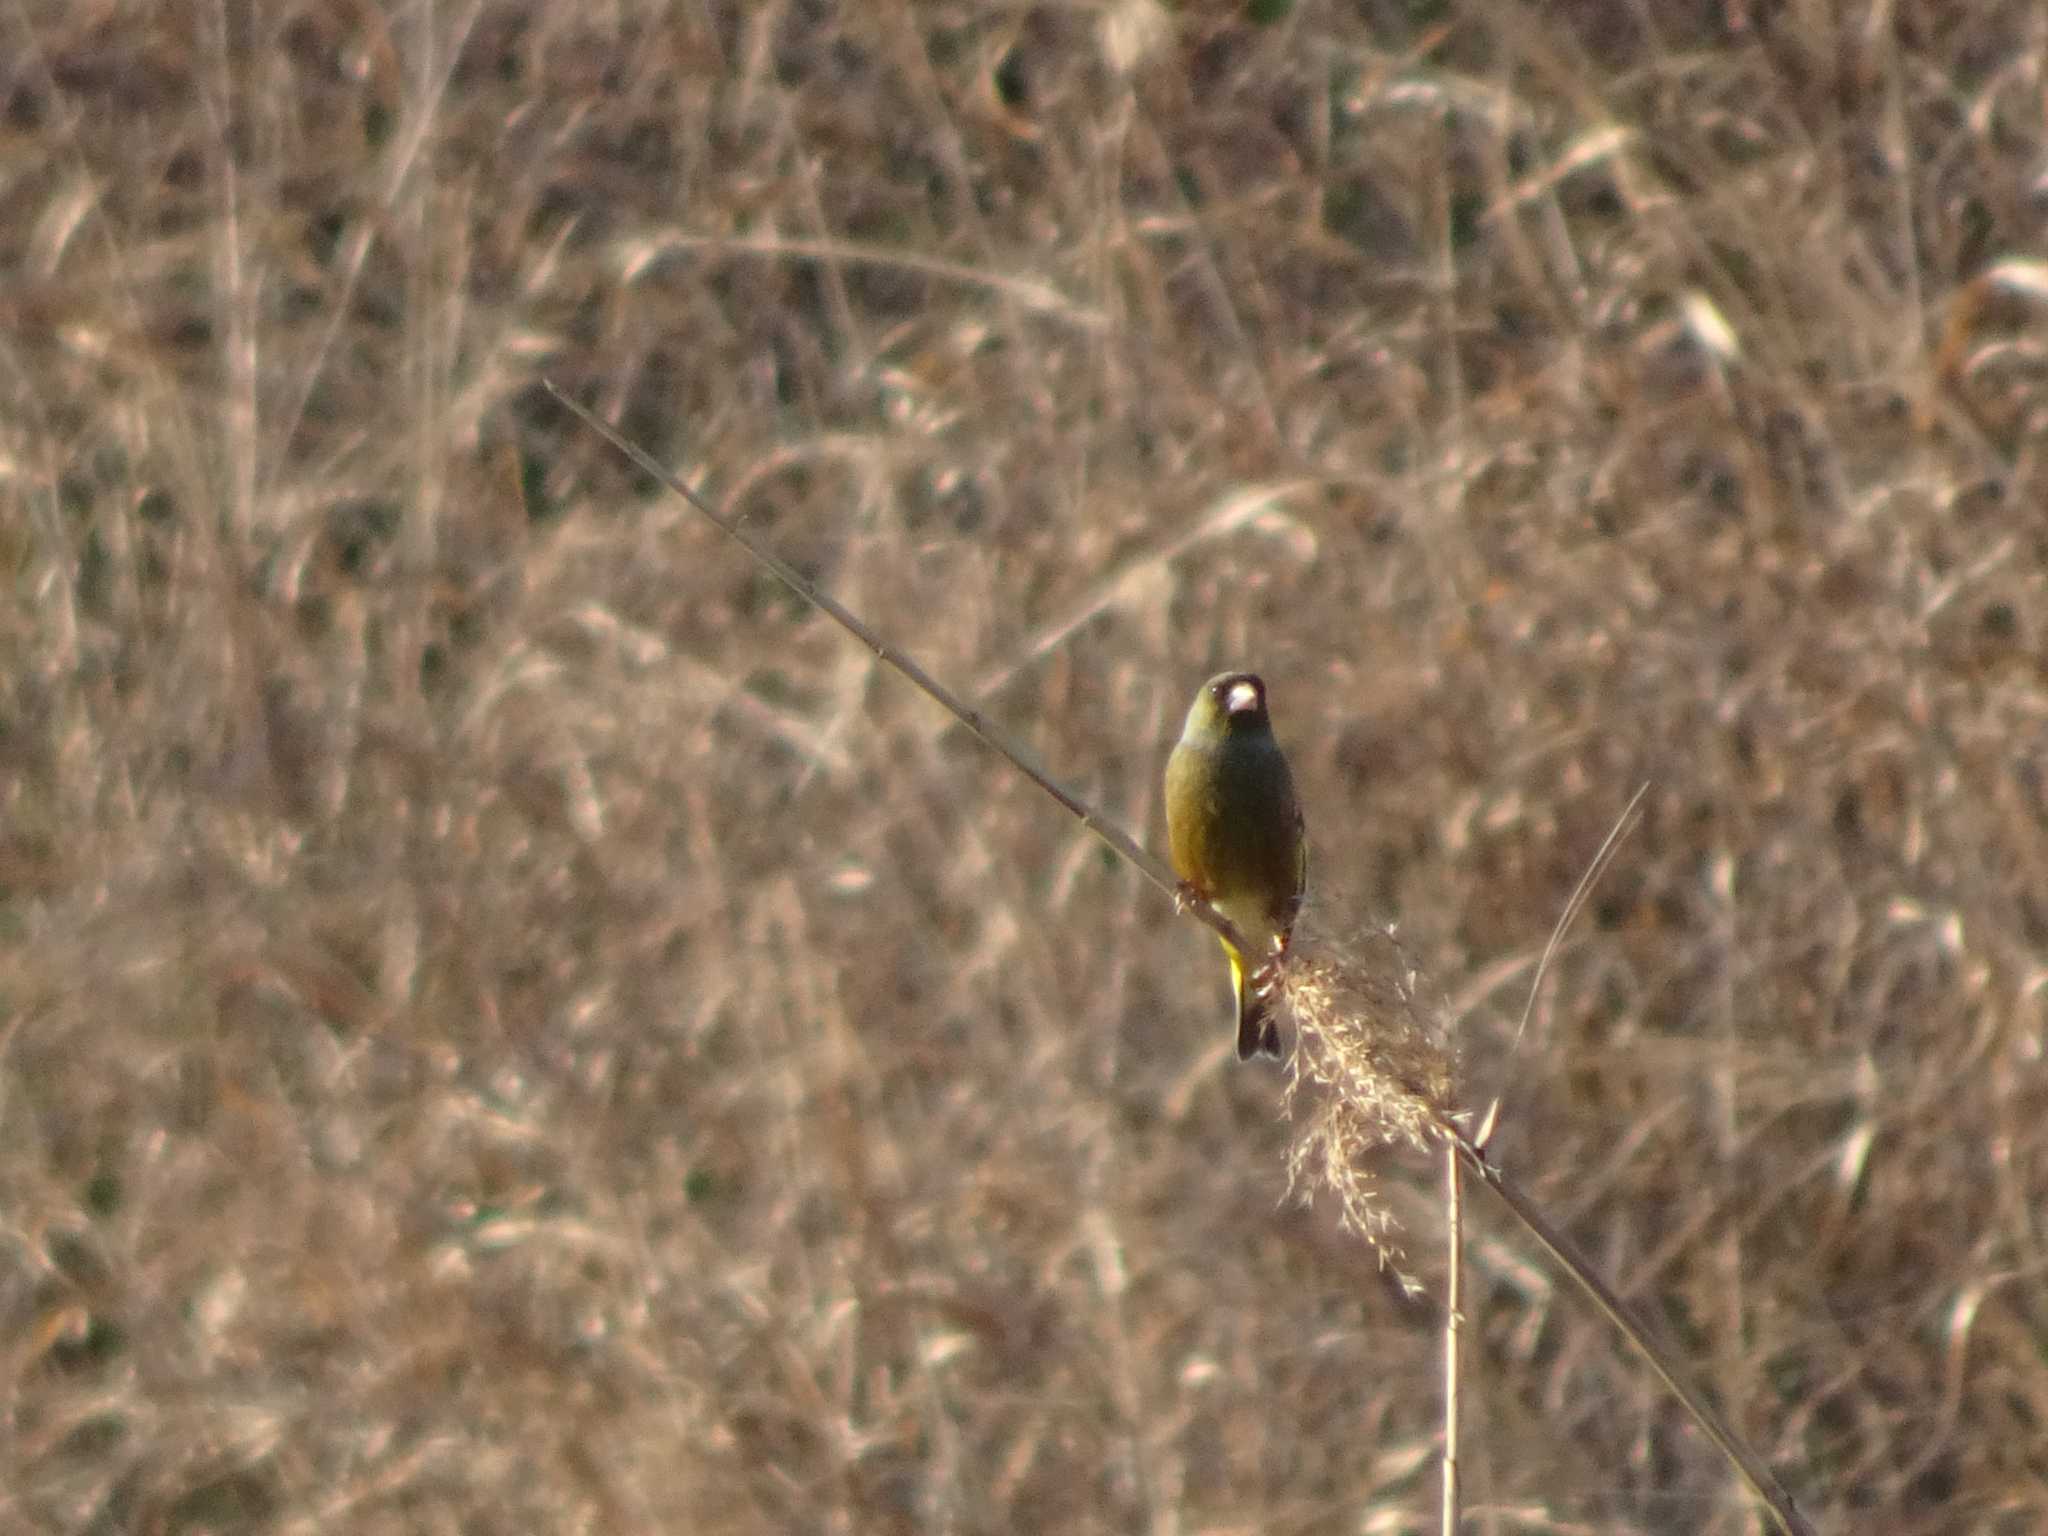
509	1023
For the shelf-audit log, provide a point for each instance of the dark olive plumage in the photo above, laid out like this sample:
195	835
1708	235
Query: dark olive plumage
1234	832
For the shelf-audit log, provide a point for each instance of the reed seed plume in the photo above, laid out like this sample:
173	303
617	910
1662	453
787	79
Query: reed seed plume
1372	1065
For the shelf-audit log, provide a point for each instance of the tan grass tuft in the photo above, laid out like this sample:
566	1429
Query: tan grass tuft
1371	1067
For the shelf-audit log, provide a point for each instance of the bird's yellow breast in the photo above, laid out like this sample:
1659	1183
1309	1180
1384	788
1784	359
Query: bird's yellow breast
1234	831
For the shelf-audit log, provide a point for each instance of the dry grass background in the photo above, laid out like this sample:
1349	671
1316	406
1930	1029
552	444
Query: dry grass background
510	1024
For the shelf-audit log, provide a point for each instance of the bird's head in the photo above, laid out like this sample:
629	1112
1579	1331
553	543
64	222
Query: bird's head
1228	703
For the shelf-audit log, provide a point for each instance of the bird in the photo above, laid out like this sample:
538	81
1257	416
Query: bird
1235	837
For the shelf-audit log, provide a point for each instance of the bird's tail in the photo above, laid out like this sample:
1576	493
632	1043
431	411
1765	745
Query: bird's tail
1258	1032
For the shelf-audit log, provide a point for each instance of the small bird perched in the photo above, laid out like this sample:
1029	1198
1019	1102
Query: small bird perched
1233	830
